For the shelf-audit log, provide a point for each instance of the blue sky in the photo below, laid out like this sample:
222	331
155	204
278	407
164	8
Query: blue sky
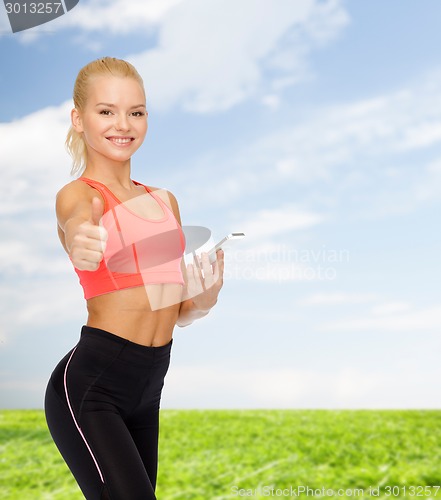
313	126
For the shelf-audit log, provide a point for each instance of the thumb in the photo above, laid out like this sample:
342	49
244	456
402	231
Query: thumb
97	211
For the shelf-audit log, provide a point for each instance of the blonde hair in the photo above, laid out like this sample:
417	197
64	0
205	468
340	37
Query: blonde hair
106	66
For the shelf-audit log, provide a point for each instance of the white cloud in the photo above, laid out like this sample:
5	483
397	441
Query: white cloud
336	298
202	386
390	308
31	385
212	56
34	166
3	335
117	16
36	302
434	167
354	153
390	318
26	259
341	136
271	101
34	163
112	17
24	392
257	257
428	186
266	223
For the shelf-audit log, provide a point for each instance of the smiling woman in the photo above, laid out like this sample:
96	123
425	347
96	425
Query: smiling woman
126	244
116	128
86	97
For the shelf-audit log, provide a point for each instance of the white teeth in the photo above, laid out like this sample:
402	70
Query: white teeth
120	140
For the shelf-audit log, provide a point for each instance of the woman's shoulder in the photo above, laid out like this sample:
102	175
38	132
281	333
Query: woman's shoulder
74	191
76	186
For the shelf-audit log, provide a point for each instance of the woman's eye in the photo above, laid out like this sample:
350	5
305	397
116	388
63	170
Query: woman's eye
138	113
105	112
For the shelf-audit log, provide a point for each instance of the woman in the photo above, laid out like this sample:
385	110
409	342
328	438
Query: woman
126	244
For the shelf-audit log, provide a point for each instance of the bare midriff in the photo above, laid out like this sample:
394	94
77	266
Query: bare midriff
145	315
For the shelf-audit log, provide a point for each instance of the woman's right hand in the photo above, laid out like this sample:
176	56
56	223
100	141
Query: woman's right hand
86	240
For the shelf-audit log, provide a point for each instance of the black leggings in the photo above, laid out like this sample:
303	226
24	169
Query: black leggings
102	409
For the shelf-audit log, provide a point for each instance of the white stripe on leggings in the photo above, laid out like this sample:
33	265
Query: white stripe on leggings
73	417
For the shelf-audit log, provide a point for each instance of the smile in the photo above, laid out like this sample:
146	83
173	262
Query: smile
120	141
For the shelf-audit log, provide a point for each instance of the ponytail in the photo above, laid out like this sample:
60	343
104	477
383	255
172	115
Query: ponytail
76	147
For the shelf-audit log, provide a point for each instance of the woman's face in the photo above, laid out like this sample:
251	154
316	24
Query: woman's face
114	120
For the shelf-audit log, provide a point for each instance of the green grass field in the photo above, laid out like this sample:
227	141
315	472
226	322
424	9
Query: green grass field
214	455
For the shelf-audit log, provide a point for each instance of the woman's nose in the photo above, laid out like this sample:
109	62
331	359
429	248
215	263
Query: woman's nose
122	122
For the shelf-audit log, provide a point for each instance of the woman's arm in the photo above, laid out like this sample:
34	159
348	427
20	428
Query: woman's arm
79	209
201	290
189	313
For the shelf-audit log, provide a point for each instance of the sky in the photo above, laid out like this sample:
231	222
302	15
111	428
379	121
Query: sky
313	126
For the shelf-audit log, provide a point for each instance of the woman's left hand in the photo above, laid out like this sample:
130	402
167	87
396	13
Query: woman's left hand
204	288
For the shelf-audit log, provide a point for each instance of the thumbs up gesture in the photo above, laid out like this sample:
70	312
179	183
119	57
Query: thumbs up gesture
88	241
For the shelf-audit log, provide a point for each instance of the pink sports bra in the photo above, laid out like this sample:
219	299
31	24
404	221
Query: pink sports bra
139	251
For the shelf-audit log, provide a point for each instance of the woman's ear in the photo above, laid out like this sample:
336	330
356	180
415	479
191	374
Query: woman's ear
77	122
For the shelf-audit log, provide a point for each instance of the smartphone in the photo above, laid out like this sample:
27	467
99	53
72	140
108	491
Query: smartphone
224	242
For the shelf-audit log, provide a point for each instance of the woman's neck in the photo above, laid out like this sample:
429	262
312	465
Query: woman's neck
111	173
